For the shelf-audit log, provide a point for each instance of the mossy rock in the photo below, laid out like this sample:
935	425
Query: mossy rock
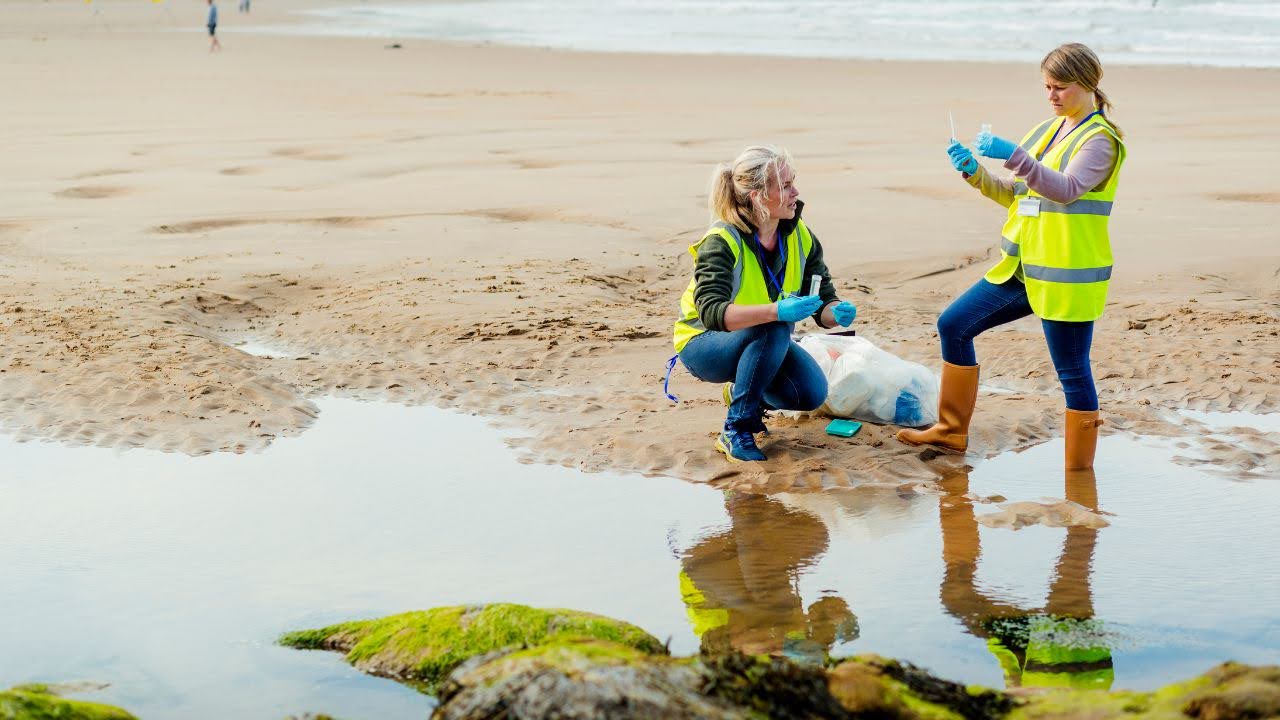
584	679
872	686
37	702
591	679
524	663
1227	692
769	687
423	647
1236	691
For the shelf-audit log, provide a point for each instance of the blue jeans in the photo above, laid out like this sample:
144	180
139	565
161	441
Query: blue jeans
767	370
986	305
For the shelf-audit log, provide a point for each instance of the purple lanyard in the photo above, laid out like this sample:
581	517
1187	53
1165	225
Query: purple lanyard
1064	122
765	266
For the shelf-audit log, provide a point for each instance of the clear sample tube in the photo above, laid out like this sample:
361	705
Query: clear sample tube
815	283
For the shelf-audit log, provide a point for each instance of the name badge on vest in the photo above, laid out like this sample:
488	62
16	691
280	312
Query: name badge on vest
1029	207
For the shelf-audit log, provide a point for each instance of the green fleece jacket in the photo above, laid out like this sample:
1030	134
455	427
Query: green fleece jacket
714	273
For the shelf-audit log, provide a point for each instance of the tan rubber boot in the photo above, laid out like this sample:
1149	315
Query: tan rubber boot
955	406
1082	438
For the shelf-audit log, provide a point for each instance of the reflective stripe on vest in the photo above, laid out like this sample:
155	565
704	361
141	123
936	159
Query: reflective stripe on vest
749	285
1065	250
1034	137
1078	207
1067	275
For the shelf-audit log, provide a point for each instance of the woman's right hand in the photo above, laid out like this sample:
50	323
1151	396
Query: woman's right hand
798	307
961	158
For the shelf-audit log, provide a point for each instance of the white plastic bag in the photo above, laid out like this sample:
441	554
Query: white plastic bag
867	383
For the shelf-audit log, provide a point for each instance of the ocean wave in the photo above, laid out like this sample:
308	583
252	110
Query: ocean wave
1128	31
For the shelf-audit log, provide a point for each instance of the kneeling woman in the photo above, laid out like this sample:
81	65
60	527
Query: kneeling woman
737	314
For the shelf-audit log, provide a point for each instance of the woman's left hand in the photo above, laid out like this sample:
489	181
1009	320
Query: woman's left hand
993	146
844	313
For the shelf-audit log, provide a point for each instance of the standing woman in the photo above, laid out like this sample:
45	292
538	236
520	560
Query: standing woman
1055	251
737	314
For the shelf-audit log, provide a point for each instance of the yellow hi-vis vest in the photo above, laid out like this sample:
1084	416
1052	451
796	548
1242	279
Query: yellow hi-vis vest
749	284
1060	653
1065	252
702	616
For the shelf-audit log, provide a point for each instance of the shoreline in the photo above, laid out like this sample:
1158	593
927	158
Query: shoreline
850	48
281	20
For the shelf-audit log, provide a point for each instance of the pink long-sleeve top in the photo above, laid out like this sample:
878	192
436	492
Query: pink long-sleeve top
1089	168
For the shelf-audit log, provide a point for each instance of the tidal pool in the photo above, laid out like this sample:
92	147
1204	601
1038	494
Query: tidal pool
170	576
1262	422
263	350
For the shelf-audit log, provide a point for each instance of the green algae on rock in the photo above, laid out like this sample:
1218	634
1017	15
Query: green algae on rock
423	647
592	679
579	679
37	702
523	663
870	685
1230	691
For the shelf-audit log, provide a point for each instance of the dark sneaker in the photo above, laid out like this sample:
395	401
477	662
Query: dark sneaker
755	426
739	446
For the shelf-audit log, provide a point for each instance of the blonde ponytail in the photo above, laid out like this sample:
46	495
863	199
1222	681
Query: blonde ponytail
729	195
1104	104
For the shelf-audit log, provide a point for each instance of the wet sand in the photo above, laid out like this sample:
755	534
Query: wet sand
503	230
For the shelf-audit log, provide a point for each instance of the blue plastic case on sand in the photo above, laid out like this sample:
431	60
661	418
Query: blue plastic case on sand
843	428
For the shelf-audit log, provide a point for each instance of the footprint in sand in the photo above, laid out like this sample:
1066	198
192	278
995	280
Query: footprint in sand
102	173
203	225
92	192
933	193
1266	198
530	164
194	226
307	154
240	170
509	215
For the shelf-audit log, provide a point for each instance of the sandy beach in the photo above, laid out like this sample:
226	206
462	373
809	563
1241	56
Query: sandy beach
503	231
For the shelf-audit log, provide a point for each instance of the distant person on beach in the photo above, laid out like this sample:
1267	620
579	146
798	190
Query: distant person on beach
244	6
1055	253
212	23
753	278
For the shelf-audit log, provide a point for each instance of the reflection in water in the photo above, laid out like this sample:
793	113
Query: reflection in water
1058	645
740	585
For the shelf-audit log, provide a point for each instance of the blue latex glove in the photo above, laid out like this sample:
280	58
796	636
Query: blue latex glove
844	313
797	308
993	146
961	158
